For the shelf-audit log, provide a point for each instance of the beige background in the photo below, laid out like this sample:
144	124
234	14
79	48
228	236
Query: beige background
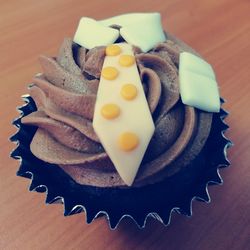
220	31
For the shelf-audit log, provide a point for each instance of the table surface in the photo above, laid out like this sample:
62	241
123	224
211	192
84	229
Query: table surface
220	31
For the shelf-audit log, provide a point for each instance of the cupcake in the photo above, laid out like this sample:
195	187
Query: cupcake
126	120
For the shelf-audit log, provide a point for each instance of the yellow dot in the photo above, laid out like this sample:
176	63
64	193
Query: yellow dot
126	60
129	91
110	111
128	141
113	50
109	73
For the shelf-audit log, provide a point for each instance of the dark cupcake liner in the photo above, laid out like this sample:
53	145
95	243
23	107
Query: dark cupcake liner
159	200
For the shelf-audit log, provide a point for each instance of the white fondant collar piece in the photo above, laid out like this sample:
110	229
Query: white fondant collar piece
90	34
143	30
198	86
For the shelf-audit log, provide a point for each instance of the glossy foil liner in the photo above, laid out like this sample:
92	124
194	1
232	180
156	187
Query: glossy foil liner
158	200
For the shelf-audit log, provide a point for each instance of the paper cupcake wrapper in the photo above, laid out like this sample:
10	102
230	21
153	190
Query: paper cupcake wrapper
159	200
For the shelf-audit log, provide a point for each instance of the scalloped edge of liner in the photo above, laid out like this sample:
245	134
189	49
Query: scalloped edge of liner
203	195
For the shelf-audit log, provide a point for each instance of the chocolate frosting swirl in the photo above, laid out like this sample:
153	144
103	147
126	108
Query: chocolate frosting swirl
65	95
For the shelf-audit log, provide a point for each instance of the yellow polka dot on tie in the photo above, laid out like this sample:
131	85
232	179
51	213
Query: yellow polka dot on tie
110	111
109	73
126	60
113	50
129	91
128	141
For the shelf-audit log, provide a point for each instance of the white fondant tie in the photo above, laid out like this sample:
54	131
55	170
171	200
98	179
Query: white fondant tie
127	134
